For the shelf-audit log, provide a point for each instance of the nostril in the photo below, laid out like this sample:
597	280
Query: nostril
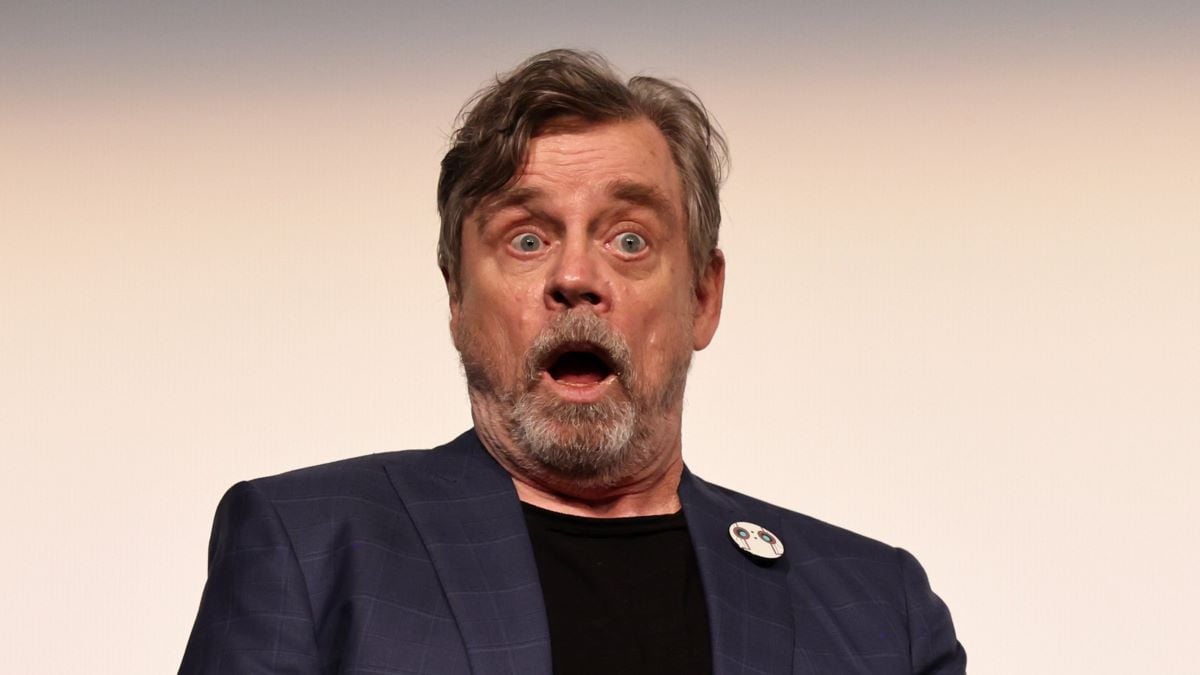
568	298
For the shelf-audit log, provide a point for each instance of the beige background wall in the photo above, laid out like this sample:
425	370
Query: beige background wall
962	314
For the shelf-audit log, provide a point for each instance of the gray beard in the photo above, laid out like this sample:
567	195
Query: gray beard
591	444
586	442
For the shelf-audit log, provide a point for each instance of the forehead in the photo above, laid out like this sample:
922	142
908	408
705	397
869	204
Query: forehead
585	164
618	144
625	153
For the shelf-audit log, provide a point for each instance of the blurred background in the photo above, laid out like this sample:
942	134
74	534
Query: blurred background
962	312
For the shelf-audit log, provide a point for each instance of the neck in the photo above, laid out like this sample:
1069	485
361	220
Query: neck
654	494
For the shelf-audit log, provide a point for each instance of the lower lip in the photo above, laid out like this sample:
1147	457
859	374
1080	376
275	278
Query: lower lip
589	392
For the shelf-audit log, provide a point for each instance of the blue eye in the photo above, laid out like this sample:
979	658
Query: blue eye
630	242
526	243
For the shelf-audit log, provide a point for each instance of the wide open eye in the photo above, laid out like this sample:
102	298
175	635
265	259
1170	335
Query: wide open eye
630	242
526	243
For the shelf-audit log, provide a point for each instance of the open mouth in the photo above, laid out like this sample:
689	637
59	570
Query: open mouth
579	364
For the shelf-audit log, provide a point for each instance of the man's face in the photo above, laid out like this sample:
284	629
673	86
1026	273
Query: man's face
576	309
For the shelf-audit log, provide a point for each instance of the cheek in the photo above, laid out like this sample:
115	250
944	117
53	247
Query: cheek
515	310
664	334
503	317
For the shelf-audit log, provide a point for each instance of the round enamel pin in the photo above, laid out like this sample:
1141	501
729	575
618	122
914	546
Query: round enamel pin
756	540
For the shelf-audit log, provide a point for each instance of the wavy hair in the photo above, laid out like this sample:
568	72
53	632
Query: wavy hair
489	144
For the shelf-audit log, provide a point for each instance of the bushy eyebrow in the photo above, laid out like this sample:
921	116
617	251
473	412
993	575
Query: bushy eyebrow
641	194
631	192
507	198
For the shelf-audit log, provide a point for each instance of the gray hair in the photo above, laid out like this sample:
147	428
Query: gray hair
495	126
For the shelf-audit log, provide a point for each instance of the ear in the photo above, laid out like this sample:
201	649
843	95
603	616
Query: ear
710	292
454	294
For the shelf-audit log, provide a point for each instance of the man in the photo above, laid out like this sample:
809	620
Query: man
563	533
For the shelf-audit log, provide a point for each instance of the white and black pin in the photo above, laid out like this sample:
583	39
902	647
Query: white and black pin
756	540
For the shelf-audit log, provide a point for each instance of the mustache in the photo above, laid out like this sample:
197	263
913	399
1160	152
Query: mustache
580	331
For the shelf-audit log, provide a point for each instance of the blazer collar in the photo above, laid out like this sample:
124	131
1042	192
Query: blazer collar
749	607
466	511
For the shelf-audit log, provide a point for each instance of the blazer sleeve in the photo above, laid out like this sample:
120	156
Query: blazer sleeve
933	645
255	615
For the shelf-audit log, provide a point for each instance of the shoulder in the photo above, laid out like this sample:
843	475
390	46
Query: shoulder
857	580
330	515
814	536
351	498
366	477
835	563
355	475
350	495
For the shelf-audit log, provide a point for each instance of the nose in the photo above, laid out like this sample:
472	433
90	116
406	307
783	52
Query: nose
577	279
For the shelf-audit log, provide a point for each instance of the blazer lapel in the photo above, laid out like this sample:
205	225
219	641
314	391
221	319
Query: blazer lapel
749	608
466	511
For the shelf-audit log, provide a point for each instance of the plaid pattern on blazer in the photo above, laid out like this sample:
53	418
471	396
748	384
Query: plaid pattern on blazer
419	562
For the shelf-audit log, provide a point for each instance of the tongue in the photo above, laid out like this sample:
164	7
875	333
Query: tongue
578	368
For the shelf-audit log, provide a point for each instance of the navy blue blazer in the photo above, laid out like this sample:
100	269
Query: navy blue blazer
419	562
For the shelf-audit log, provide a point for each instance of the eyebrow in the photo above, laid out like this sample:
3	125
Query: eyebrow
507	198
641	194
632	192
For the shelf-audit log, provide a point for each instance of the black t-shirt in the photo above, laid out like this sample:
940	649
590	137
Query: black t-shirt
623	595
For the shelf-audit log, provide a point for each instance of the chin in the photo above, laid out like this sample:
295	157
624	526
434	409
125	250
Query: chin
592	443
